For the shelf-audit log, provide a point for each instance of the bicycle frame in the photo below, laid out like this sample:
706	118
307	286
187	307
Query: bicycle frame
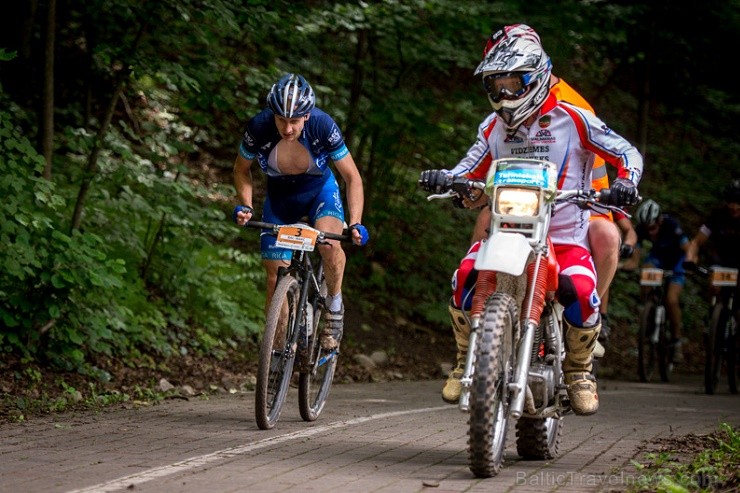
292	328
653	339
720	338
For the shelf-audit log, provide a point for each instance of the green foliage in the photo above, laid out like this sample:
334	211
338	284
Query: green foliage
156	268
714	468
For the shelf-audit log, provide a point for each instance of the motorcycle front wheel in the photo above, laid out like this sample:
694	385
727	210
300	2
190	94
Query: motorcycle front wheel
489	396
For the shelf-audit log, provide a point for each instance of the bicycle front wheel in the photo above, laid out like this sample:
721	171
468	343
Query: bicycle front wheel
277	354
720	347
646	354
317	375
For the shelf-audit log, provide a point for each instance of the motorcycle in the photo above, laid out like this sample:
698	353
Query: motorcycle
513	369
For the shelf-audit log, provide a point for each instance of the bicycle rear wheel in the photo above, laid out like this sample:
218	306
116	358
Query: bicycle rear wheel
277	354
316	377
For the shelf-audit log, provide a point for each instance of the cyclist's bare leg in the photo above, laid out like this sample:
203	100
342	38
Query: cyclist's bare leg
482	225
334	260
604	239
673	308
332	254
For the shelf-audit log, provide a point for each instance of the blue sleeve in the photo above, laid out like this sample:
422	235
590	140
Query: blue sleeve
256	134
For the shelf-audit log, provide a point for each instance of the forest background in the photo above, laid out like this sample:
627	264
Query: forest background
120	121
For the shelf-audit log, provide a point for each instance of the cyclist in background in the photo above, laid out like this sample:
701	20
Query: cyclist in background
723	228
668	246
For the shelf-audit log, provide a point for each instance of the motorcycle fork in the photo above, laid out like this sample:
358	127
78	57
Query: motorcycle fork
518	386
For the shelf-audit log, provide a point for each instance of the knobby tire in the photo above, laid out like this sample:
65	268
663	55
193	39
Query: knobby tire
489	396
277	354
317	374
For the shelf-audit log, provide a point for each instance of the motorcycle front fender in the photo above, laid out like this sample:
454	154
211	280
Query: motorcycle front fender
504	252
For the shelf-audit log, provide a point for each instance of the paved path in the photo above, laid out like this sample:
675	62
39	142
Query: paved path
398	437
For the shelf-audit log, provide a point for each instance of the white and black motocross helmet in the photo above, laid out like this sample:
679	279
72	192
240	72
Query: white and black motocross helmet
291	97
516	75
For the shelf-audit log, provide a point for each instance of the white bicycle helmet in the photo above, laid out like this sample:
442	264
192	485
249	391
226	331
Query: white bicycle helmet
648	212
516	74
291	97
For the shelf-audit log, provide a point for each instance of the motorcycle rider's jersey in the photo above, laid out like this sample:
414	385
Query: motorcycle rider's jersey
321	137
566	135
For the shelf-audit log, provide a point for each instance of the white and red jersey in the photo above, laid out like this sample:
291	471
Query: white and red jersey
566	135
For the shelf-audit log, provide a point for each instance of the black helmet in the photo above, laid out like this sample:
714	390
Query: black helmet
291	96
731	193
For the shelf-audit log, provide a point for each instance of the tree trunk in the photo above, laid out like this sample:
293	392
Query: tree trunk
47	139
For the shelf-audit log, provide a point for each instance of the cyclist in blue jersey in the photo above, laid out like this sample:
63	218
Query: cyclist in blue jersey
669	245
293	141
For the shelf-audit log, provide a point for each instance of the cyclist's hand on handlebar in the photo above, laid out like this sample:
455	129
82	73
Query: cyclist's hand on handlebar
623	193
626	251
242	214
436	180
360	235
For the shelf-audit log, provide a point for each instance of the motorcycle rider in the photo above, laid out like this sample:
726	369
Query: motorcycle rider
528	121
603	237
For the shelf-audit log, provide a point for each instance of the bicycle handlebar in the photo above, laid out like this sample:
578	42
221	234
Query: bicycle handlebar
323	235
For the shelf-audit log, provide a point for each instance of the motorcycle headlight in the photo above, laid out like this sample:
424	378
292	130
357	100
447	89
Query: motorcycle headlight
517	202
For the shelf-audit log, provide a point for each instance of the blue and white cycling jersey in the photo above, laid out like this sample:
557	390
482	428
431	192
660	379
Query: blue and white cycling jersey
321	137
290	197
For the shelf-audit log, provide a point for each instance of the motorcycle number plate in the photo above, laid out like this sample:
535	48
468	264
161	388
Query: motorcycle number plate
651	277
297	237
723	277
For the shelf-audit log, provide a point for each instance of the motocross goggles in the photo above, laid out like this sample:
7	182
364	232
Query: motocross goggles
508	85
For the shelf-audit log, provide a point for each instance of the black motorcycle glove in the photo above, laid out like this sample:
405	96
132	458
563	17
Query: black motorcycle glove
623	193
436	180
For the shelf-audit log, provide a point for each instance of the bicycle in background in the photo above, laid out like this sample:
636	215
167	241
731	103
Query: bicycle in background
720	333
654	340
293	328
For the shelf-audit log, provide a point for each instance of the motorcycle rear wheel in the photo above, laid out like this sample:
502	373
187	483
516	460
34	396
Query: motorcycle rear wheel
489	396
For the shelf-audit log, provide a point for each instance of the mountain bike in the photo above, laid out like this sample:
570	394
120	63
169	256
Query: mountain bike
720	335
655	345
293	328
